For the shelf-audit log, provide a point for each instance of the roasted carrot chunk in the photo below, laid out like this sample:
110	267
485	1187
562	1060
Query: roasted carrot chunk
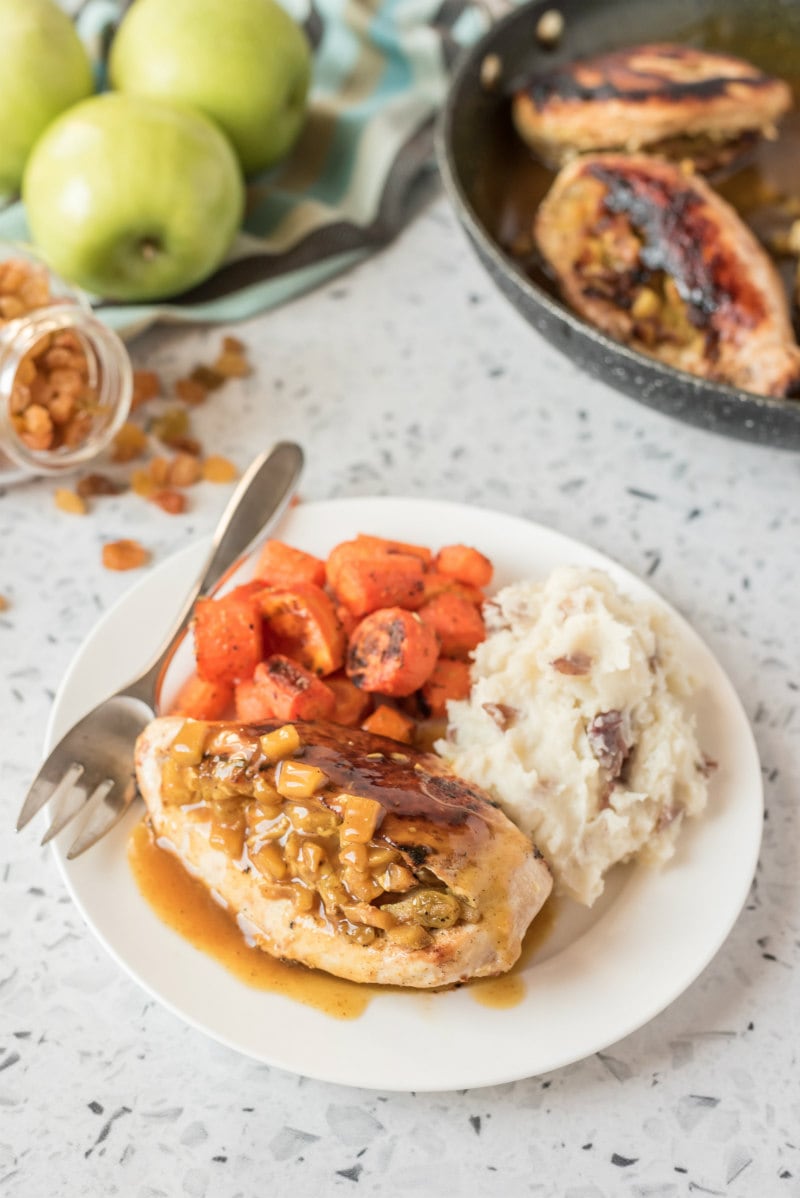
282	565
387	721
458	625
302	624
348	621
285	691
449	680
465	564
199	699
435	583
352	704
392	652
381	544
252	705
364	584
228	636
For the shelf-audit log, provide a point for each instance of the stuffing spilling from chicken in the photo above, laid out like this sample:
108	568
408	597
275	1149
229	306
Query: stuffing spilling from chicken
579	724
343	851
645	250
674	100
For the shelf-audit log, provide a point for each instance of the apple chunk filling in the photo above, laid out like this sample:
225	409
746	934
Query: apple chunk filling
275	814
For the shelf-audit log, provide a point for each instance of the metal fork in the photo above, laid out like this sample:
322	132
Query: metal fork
91	769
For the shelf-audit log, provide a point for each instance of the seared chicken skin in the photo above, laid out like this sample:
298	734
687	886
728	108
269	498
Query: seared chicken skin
650	254
675	100
347	852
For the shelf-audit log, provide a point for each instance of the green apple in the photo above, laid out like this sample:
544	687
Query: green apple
244	63
131	198
43	70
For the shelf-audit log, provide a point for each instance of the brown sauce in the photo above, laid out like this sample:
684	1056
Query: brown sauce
508	990
184	905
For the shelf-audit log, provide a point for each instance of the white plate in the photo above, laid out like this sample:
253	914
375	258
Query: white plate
598	977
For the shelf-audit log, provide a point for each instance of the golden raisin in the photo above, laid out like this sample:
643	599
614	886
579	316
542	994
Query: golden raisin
3	603
142	483
170	501
186	445
60	357
217	469
146	385
11	307
207	378
37	427
232	366
171	424
61	407
124	555
191	391
129	443
70	501
158	471
232	345
184	470
77	430
98	484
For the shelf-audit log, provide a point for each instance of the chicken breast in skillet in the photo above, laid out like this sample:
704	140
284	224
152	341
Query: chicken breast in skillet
649	253
346	852
674	100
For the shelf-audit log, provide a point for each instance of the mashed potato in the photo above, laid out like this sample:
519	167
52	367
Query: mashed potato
578	724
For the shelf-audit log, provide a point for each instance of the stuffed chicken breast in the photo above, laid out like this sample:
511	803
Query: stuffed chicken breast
343	851
649	253
675	100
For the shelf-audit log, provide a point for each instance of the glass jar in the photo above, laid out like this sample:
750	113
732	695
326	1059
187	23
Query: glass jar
66	380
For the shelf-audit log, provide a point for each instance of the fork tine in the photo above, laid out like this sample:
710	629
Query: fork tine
104	808
43	789
68	801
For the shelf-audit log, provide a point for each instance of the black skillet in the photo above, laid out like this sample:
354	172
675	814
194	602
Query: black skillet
495	184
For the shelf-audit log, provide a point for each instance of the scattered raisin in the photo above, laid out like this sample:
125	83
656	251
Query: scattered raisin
217	469
171	424
70	501
146	386
129	443
124	555
184	470
170	501
98	484
208	379
191	391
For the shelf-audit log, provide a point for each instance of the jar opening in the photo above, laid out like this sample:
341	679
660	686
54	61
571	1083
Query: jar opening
66	384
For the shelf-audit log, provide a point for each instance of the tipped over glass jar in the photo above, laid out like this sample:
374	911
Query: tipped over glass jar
65	378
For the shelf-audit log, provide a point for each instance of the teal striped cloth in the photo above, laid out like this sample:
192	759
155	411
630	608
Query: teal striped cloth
359	172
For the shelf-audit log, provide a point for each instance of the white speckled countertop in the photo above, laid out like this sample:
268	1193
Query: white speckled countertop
411	376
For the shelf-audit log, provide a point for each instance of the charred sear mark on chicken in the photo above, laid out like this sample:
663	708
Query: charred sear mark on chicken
672	229
647	252
676	100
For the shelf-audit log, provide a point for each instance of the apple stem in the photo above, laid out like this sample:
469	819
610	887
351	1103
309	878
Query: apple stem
149	249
